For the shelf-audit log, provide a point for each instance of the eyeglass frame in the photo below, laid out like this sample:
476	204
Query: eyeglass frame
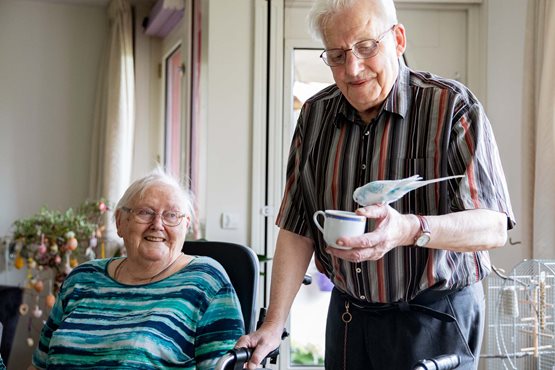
154	214
352	49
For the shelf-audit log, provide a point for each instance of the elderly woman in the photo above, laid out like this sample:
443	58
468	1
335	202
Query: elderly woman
156	307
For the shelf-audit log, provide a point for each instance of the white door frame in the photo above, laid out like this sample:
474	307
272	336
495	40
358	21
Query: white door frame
272	103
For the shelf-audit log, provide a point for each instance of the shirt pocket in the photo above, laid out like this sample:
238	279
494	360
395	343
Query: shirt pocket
429	199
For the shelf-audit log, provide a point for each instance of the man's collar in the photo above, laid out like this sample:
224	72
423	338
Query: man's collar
345	113
398	99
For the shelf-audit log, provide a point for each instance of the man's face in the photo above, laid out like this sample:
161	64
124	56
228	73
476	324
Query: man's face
365	83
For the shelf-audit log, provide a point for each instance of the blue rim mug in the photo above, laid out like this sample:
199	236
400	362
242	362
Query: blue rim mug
339	224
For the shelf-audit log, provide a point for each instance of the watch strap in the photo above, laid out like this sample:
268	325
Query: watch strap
424	230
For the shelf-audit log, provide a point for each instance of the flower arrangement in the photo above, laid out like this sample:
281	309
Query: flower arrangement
50	244
57	241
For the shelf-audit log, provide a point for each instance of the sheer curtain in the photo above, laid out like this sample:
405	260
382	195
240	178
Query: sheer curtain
540	121
114	112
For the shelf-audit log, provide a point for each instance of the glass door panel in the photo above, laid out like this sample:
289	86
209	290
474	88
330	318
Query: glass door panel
309	311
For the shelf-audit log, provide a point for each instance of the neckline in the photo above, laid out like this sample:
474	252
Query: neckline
150	280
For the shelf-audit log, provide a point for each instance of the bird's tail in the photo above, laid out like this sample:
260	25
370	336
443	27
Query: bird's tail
426	182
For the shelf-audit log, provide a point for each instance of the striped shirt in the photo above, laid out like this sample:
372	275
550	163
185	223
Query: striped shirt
428	126
187	320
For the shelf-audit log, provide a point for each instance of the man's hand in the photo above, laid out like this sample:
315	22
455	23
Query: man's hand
464	231
264	340
392	229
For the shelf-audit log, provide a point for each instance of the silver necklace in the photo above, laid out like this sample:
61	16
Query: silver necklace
118	270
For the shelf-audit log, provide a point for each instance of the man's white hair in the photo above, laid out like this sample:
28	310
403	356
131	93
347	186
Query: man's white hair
323	10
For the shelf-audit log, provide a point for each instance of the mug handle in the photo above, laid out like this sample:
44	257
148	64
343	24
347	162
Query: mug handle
315	218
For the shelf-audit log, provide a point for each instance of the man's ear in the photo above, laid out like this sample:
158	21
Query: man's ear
400	39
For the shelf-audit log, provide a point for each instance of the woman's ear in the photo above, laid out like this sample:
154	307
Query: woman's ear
118	216
187	222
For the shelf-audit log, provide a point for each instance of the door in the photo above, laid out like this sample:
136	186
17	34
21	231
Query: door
438	41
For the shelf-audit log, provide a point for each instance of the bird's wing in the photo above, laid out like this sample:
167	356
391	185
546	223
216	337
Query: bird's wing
408	181
387	186
409	184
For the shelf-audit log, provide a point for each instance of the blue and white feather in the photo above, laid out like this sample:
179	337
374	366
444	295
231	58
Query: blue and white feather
389	191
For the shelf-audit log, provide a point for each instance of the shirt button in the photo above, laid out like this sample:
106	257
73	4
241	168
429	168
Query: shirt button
367	133
363	166
358	270
362	297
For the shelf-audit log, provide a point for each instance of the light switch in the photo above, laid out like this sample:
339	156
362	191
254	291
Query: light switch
230	220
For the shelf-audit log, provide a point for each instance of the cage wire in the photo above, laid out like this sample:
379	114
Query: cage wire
520	317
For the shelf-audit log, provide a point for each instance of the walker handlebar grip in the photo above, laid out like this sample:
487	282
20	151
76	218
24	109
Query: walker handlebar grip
445	362
236	357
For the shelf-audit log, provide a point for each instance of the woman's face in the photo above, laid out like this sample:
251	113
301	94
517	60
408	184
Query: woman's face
153	241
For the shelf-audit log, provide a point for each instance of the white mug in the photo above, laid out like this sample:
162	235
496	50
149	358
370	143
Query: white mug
338	224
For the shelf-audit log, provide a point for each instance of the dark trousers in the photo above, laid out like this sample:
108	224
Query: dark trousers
396	337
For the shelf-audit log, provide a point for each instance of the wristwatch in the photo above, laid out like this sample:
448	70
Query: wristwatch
425	235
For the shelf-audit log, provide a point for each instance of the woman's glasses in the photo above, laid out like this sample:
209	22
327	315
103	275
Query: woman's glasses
147	216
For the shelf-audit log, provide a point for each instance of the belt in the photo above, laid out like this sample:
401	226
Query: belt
418	304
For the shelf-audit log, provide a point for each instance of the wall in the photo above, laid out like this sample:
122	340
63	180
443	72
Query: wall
505	75
228	131
48	69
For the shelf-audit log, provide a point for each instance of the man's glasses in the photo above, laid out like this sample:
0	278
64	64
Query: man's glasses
362	50
147	216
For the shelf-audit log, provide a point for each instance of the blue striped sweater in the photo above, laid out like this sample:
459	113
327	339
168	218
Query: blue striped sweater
187	320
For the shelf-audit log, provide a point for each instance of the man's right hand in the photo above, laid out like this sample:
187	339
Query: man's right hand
263	341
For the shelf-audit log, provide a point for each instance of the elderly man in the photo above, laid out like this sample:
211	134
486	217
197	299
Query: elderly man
410	288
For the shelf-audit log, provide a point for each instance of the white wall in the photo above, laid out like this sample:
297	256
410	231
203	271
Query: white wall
505	74
48	69
229	111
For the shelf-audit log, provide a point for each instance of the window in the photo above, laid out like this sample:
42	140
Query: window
174	134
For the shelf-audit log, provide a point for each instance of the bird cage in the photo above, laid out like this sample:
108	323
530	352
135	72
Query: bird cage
520	317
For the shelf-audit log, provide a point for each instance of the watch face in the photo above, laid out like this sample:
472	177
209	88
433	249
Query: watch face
423	240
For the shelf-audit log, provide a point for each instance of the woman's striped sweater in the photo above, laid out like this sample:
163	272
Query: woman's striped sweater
187	320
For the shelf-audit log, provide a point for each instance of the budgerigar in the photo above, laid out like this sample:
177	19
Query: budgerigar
388	191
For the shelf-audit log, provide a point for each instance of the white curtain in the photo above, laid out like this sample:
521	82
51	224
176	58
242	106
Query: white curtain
540	120
114	112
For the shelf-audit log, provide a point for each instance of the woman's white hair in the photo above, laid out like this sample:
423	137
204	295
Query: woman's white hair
323	10
159	176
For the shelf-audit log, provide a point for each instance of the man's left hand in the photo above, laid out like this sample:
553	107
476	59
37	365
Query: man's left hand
392	229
